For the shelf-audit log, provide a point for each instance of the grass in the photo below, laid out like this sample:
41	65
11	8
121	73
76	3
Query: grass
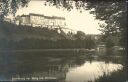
116	76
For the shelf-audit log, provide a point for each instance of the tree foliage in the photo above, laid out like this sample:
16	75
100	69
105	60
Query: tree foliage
113	12
10	7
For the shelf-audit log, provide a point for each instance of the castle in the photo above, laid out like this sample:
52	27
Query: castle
40	20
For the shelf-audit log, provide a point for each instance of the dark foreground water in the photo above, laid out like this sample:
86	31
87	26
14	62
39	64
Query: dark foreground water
40	66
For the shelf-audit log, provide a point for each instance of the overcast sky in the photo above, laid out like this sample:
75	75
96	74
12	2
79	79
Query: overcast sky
74	19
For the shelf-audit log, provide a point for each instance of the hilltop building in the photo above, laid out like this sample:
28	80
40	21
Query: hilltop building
40	20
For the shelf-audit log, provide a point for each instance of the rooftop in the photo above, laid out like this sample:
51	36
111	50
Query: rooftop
40	15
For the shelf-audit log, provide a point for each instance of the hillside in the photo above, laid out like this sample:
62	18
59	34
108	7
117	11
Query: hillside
27	37
13	32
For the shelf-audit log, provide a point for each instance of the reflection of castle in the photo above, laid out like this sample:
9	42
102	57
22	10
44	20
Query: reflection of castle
41	20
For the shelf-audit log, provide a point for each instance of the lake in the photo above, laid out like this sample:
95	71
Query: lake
40	66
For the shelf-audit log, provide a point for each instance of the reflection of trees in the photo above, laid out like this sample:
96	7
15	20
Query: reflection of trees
104	69
110	55
40	65
36	65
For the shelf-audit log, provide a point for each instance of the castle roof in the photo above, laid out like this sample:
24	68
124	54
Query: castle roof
48	17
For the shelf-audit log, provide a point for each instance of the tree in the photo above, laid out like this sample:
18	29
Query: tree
10	7
113	12
80	35
114	15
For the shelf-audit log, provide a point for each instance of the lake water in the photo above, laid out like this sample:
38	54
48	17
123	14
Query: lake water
90	71
38	66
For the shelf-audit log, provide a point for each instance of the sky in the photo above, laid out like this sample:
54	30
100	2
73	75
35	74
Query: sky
75	20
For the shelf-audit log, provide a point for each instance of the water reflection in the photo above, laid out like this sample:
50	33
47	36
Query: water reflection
90	71
39	66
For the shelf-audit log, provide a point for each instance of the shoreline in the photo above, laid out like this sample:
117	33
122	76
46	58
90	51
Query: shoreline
31	50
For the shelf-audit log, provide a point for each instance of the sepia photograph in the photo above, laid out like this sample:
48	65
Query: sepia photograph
63	41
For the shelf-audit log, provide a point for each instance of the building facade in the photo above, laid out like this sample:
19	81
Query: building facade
41	20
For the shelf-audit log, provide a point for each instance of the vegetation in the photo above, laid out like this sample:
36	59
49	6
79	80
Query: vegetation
46	44
113	12
27	37
116	76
